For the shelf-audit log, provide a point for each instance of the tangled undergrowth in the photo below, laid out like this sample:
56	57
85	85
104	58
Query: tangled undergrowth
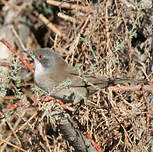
109	39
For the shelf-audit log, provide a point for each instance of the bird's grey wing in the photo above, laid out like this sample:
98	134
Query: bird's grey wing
75	78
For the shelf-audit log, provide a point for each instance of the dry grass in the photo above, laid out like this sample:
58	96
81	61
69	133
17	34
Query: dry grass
103	41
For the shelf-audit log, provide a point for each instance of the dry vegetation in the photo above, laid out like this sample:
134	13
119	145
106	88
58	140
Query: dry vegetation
104	38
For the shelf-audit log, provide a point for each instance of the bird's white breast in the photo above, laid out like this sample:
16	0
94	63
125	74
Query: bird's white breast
41	77
39	69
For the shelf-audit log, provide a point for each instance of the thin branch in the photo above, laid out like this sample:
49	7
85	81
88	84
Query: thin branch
68	5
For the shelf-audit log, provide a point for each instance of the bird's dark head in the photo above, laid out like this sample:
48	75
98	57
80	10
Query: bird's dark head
44	57
47	62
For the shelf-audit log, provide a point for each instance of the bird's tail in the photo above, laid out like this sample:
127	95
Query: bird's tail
93	82
115	81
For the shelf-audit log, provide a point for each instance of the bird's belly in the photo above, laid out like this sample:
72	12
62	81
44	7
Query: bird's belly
42	82
74	95
67	93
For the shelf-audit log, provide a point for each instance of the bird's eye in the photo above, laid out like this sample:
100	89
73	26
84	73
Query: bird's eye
40	56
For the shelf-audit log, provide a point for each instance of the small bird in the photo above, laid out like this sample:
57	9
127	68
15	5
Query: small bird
63	81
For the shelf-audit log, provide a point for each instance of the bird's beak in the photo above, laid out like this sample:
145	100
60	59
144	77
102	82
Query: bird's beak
29	52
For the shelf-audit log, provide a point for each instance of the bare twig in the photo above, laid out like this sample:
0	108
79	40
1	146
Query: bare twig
68	5
107	26
5	141
20	57
132	88
76	41
51	26
66	17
